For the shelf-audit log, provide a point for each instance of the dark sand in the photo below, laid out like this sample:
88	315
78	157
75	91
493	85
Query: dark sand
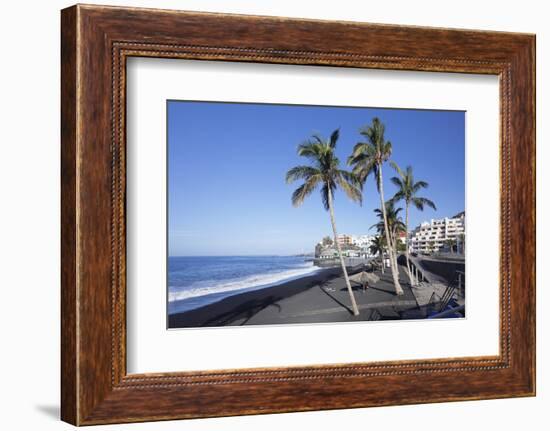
322	297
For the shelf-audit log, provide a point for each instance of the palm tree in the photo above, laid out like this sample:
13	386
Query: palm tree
451	242
407	190
395	222
368	158
327	241
324	170
377	247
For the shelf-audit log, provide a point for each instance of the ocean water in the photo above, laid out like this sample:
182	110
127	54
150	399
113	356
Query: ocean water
200	280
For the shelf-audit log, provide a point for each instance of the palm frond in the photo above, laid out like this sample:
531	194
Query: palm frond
397	197
407	189
419	203
380	227
377	245
350	177
312	150
324	169
350	186
304	191
334	138
302	172
386	150
362	170
325	195
360	152
397	169
367	157
397	182
419	185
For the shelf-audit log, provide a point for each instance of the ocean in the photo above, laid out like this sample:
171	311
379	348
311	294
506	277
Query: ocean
201	280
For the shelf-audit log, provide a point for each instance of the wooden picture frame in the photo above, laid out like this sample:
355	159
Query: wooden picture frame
95	43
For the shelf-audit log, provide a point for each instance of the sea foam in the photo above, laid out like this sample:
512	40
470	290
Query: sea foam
252	282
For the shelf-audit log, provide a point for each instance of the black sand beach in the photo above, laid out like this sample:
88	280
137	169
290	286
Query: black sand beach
321	297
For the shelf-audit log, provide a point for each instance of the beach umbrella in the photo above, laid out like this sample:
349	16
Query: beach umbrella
370	277
365	277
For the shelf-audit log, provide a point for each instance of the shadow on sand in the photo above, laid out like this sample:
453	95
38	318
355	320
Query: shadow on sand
239	309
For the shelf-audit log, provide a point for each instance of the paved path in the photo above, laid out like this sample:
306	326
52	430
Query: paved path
321	298
330	302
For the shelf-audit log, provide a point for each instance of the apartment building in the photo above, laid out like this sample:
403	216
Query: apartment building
432	236
362	240
352	246
345	240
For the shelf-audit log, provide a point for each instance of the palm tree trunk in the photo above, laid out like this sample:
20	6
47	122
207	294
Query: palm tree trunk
332	221
411	280
382	259
393	263
394	240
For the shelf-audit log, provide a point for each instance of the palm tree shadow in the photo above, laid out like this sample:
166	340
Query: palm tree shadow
340	303
279	308
247	310
355	287
369	288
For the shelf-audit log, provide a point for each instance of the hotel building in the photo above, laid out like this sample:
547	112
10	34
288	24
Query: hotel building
352	246
345	240
431	236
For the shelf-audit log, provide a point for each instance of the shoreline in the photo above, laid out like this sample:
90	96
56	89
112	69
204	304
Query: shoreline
222	310
319	298
224	294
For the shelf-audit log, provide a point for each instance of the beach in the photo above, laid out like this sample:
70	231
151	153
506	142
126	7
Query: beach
318	297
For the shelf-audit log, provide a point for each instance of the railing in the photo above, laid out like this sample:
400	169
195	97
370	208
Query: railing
447	296
417	274
456	285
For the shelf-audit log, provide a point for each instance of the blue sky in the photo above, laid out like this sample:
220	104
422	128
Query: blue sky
227	163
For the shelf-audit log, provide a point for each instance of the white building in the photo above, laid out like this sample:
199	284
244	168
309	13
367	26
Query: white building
352	246
332	253
431	236
328	253
362	240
